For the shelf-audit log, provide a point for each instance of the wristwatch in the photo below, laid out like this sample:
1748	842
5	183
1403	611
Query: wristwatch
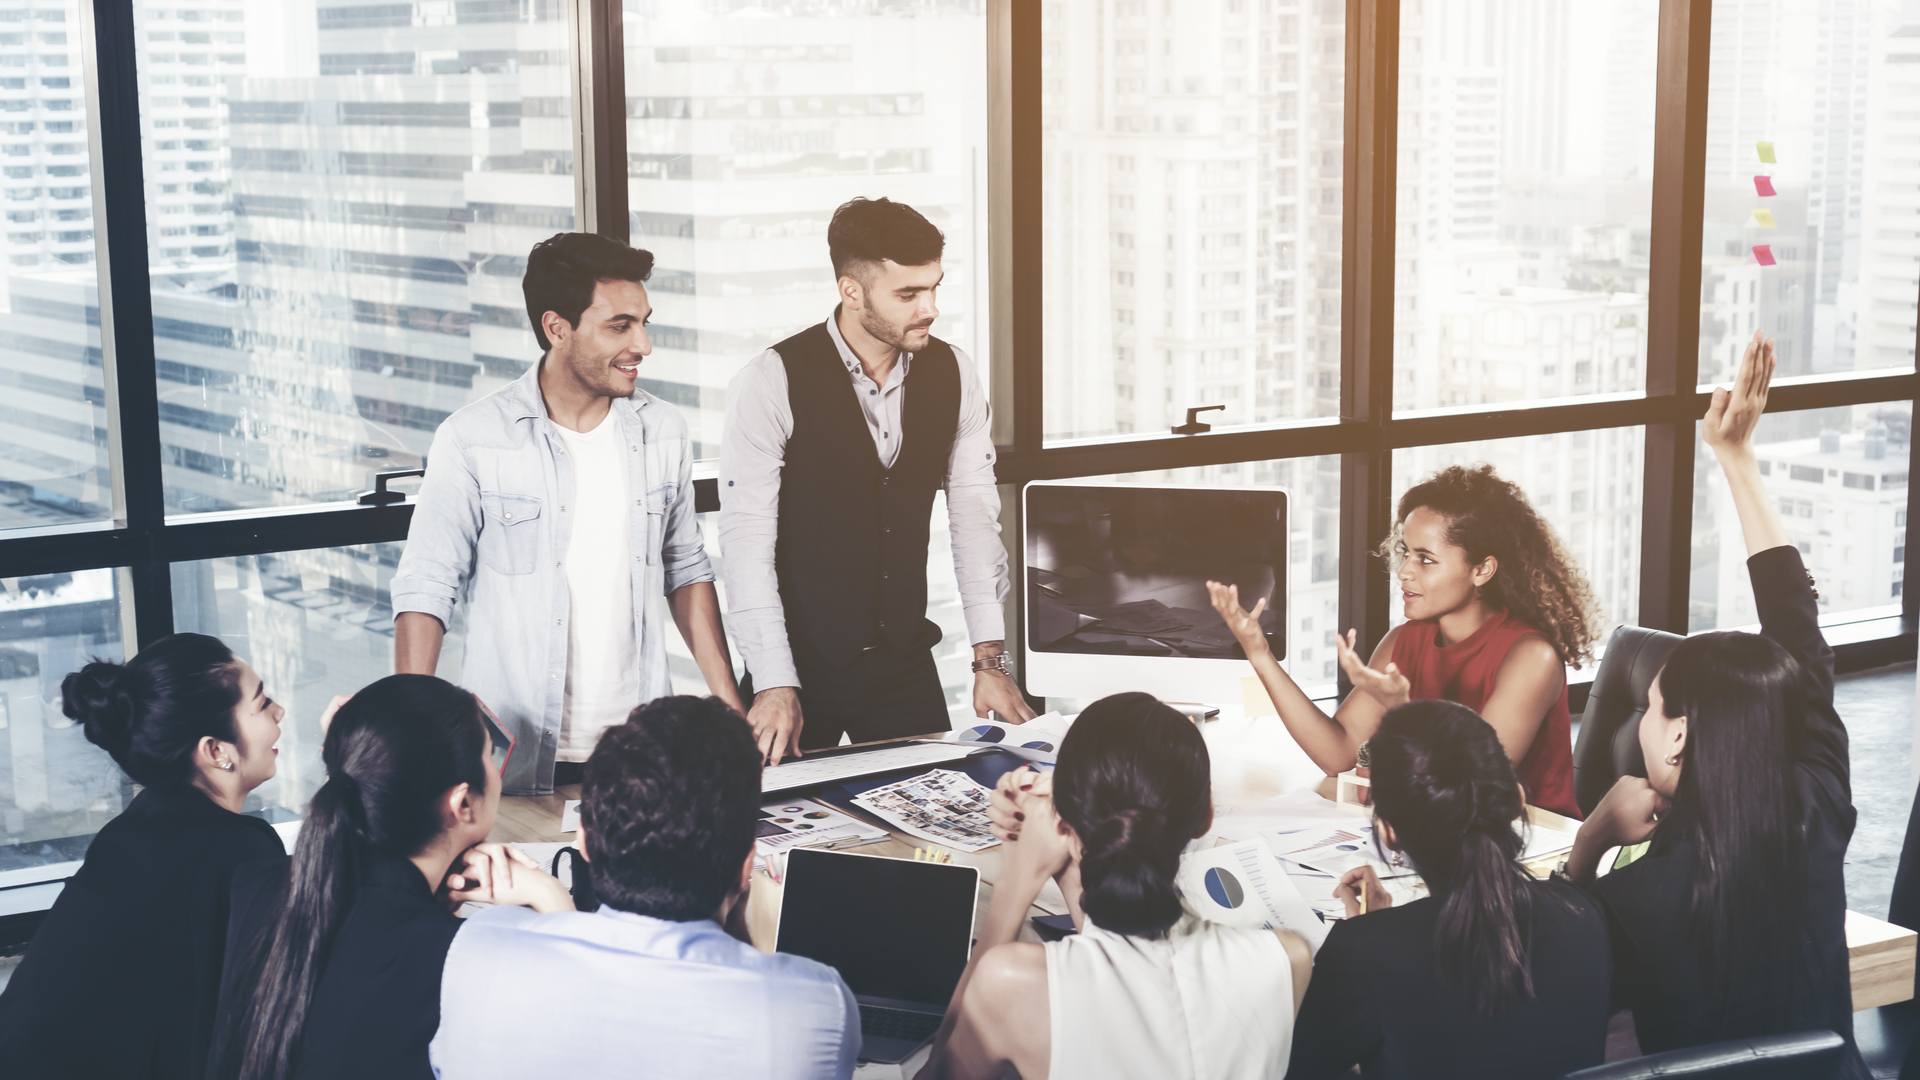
996	662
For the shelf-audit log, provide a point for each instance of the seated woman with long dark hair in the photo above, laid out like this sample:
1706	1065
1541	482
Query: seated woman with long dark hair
334	961
1733	924
121	979
1144	989
1495	973
1496	610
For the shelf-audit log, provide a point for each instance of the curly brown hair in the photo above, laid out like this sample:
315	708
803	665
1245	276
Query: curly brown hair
1537	581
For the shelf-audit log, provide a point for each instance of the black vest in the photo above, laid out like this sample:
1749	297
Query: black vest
852	550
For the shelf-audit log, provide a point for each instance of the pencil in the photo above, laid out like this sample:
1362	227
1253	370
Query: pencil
1361	888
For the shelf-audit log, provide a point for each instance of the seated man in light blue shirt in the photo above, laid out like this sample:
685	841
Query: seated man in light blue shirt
649	985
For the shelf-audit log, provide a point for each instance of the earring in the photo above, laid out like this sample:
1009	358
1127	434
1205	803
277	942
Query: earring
1673	759
228	765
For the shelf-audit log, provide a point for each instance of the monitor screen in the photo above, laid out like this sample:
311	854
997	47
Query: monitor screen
1123	569
892	928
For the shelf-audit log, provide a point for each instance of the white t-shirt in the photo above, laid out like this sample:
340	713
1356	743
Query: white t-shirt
603	655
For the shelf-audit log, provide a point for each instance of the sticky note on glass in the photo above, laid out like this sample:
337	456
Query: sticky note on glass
1254	699
1765	219
1766	152
1764	253
1763	185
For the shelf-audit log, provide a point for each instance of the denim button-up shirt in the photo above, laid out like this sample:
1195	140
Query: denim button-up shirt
492	521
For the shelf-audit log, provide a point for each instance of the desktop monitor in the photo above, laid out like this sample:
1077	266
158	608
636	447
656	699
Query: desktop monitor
1116	587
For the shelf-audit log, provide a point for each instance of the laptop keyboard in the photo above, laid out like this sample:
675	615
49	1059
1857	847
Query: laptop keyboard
897	1023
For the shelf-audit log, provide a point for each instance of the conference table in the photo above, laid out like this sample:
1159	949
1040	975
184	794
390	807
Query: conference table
1252	761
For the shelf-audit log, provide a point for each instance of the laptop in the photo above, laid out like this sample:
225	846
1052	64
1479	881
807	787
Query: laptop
898	932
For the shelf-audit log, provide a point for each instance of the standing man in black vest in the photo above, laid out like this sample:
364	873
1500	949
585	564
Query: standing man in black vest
828	469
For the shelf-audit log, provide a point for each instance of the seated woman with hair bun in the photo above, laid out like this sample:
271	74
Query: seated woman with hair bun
1144	989
121	979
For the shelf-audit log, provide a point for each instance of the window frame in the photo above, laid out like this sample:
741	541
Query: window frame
143	544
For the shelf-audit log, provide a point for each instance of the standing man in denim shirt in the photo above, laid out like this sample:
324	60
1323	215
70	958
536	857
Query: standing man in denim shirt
561	504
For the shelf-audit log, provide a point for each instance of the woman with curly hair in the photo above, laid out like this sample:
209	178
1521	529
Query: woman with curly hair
1495	611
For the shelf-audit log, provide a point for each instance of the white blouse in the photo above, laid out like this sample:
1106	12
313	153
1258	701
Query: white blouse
1206	1002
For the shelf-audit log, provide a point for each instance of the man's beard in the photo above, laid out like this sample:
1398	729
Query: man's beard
882	331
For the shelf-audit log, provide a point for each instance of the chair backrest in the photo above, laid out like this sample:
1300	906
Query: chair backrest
1799	1055
1609	745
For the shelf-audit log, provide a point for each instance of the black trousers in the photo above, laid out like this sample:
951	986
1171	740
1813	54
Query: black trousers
885	693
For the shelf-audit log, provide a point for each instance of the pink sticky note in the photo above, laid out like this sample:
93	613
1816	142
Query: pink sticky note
1763	185
1764	253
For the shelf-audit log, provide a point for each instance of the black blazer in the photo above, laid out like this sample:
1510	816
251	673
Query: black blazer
1646	902
122	977
1377	999
377	1004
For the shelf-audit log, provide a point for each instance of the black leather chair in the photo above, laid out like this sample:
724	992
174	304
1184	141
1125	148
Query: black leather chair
1609	745
1802	1055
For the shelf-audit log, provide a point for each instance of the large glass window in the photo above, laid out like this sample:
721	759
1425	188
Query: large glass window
1585	484
56	788
1839	478
1191	176
748	125
314	624
1526	151
339	202
53	429
1812	230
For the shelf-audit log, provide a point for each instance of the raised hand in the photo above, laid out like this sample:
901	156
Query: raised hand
1388	687
1244	624
1733	414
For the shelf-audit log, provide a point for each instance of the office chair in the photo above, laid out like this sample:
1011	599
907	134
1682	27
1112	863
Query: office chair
1609	745
1801	1055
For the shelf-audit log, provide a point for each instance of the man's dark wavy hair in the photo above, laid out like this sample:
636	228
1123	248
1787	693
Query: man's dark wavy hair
563	269
668	808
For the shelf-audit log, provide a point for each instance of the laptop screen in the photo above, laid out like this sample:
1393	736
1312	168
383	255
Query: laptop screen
893	928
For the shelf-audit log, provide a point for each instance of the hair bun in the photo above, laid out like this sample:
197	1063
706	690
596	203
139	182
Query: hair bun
100	696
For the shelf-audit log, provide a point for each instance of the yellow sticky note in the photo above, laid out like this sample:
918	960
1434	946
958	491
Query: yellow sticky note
1766	151
1765	218
1254	699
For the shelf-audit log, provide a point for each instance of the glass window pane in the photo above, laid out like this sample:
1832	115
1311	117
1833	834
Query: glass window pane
53	425
1191	178
1585	484
744	134
313	624
339	203
1313	585
56	788
1526	151
1812	230
1839	478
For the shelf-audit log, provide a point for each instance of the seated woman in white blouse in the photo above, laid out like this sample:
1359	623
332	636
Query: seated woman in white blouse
1144	989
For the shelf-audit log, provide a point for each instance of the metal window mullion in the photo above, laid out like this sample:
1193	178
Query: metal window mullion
597	64
1368	180
1026	243
1673	308
126	317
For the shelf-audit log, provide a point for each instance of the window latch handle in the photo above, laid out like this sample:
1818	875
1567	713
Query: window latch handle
380	496
1194	426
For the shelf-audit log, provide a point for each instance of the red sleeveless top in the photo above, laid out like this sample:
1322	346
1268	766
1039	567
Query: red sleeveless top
1465	672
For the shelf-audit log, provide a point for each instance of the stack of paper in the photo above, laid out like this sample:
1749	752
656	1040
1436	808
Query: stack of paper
1036	740
943	806
804	823
1244	885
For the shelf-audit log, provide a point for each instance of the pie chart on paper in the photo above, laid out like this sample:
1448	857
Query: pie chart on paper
1225	889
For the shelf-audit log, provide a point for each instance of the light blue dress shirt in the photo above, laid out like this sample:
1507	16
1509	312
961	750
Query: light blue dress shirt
617	994
491	524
